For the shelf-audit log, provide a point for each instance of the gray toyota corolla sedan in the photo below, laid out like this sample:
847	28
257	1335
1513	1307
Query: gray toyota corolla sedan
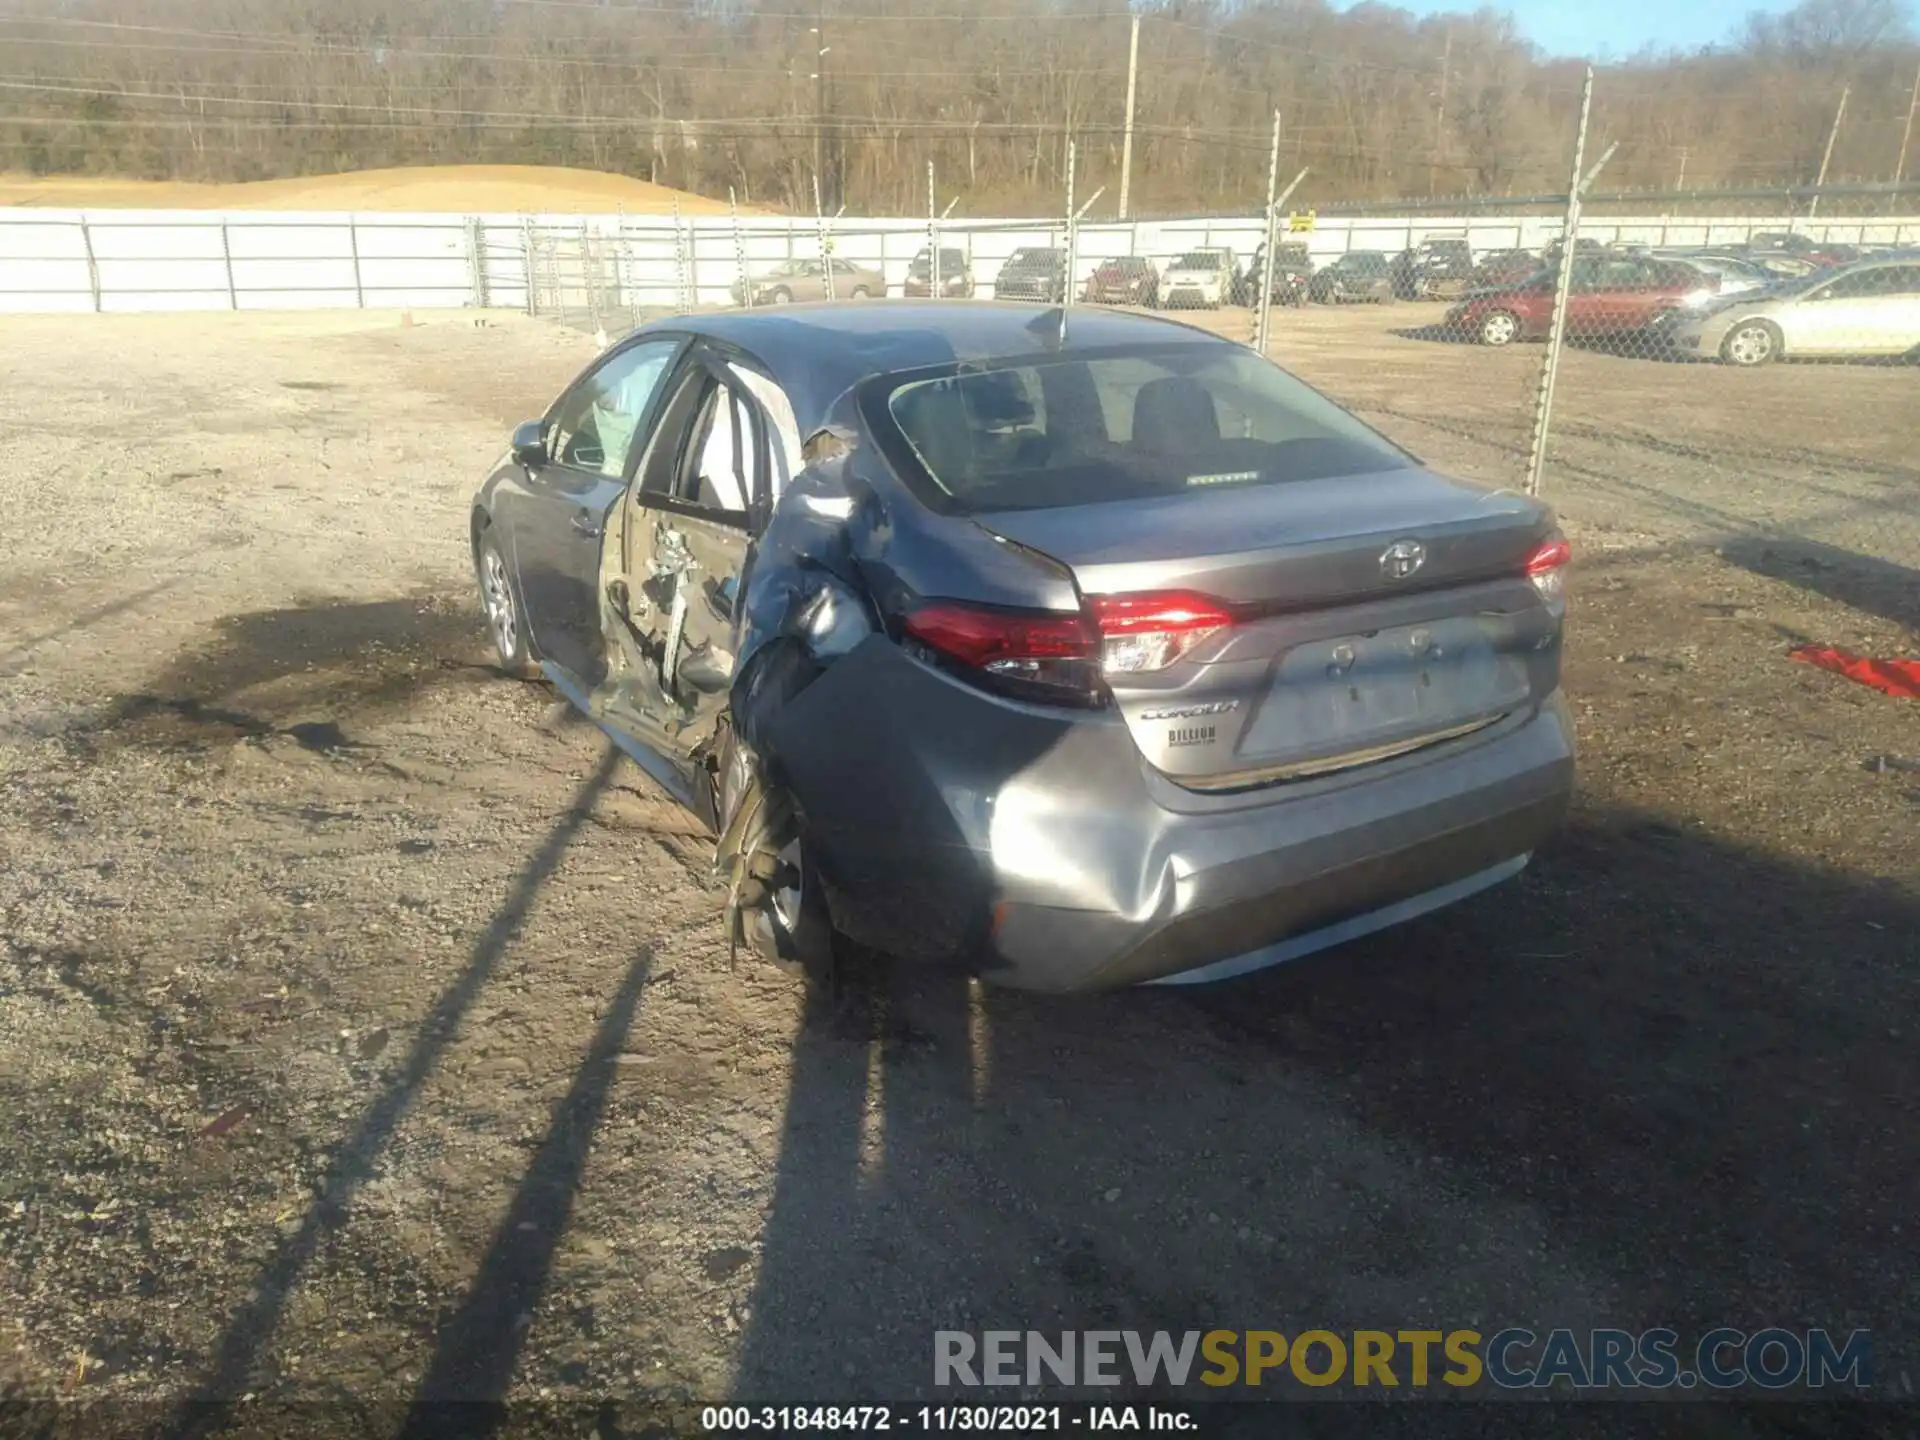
1076	650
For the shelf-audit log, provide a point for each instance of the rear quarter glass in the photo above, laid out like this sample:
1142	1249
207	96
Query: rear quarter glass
1101	426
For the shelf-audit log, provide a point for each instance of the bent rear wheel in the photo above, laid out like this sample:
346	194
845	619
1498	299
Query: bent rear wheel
777	902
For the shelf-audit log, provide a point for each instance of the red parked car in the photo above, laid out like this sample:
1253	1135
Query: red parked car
1610	295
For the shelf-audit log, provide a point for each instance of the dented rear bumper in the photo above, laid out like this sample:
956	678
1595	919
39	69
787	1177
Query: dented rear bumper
1037	848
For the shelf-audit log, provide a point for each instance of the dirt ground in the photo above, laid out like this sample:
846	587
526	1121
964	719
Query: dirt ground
367	1030
457	189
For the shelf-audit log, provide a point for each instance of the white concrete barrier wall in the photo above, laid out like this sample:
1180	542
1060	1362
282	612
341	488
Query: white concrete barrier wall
131	260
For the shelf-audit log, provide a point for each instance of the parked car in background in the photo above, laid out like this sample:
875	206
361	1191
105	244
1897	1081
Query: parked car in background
1199	279
1076	659
807	280
1358	275
1292	270
1130	280
1033	274
1504	267
1867	308
1719	275
955	279
1778	264
1581	246
1736	272
1608	294
1819	253
1439	267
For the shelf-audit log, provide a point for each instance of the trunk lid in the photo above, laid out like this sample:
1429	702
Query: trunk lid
1373	615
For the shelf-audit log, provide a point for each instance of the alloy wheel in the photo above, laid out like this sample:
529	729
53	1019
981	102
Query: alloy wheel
502	618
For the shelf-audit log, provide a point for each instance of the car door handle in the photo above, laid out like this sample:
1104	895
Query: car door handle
584	524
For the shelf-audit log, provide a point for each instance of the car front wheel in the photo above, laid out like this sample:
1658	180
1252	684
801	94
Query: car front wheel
1500	327
506	618
1754	342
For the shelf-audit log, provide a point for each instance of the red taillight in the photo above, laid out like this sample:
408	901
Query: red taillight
1061	656
981	637
1143	633
1038	654
1546	567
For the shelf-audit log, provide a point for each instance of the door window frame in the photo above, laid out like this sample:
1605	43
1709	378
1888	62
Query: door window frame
703	366
643	426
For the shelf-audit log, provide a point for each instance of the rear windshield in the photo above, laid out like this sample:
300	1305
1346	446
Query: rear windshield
1119	426
1198	260
1036	257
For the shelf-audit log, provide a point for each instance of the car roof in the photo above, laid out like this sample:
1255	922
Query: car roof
817	352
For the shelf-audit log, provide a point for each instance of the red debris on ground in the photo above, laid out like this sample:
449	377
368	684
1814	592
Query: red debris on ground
1892	677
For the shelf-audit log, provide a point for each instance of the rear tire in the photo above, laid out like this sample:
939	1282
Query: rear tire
1499	327
1751	343
781	296
782	911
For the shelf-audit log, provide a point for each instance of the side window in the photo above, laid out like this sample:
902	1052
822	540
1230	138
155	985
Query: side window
722	462
597	421
1853	287
1905	280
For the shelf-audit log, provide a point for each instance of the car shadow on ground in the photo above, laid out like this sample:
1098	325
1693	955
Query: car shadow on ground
307	672
1435	332
473	1348
1877	587
1657	1081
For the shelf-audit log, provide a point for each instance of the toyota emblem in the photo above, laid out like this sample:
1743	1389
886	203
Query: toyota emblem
1400	559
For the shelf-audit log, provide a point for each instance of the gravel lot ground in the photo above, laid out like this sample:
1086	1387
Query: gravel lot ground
367	1030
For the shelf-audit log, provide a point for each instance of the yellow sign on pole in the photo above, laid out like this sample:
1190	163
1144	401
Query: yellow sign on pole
1300	222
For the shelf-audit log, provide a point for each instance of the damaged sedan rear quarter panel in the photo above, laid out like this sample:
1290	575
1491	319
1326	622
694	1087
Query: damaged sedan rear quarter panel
1166	827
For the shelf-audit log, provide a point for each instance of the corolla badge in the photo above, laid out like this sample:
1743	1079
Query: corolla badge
1402	558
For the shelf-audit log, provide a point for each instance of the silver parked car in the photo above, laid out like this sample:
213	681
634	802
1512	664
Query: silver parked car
1867	308
792	280
1070	653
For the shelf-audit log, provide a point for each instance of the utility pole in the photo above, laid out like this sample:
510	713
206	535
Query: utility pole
1906	133
1440	120
1681	183
1827	158
1126	145
819	33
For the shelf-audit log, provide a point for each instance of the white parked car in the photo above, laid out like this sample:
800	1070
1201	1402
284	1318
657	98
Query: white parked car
1198	278
1867	308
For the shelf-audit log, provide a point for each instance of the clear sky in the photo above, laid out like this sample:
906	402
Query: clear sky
1616	28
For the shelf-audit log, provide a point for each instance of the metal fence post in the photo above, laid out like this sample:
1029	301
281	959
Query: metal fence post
1563	284
476	257
681	301
353	248
826	240
933	240
739	250
529	264
93	264
226	253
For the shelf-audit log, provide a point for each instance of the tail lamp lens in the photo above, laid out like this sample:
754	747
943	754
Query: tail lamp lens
1547	568
1064	655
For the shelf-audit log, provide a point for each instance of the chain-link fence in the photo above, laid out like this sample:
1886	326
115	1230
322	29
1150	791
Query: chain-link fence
1663	380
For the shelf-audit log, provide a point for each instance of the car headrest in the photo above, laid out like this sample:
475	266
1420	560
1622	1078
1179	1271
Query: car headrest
1174	414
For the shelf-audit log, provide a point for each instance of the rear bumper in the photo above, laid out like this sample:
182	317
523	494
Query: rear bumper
1040	851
